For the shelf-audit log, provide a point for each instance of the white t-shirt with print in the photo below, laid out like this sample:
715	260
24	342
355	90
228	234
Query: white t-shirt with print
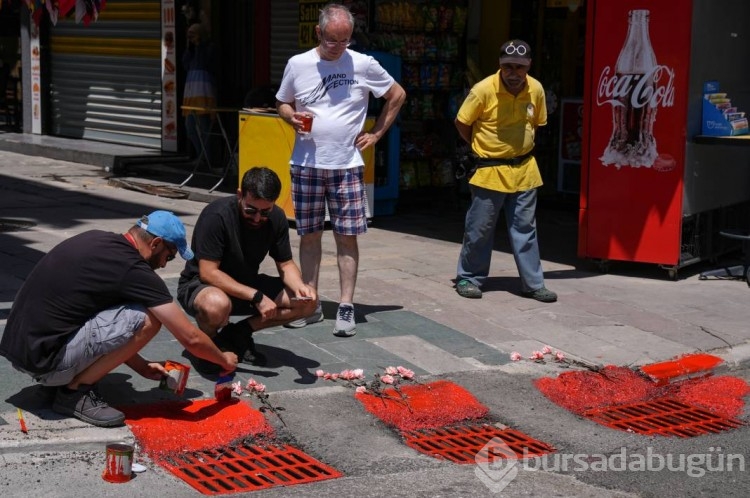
337	94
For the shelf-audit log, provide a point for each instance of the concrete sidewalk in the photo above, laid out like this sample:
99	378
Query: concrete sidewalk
407	310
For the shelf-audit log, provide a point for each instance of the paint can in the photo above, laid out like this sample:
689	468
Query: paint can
119	463
176	378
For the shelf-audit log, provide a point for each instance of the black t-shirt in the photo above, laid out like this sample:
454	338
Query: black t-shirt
77	279
220	235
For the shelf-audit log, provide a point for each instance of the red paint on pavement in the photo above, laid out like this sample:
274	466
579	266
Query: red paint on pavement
179	426
583	390
437	404
681	368
720	395
580	391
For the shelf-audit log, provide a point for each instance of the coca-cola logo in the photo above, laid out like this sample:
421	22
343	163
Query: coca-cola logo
654	88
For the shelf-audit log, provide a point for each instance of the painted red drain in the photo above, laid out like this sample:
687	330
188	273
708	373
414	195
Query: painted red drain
246	468
467	444
436	404
664	416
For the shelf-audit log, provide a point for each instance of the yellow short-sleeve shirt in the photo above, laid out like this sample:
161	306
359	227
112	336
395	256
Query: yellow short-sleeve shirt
504	126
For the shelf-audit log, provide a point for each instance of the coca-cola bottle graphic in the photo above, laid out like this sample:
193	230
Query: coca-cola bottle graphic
634	109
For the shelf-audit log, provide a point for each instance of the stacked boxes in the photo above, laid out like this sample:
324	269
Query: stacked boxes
720	118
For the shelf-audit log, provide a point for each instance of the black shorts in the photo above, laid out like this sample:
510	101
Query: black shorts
270	286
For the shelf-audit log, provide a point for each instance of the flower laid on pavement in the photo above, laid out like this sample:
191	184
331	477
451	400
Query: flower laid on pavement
539	356
258	391
391	377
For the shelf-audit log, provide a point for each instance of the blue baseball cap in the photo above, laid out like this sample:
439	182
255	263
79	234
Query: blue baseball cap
166	225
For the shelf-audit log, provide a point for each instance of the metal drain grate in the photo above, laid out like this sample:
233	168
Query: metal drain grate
466	444
246	468
665	416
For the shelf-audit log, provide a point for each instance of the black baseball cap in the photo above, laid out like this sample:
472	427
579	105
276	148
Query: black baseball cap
515	52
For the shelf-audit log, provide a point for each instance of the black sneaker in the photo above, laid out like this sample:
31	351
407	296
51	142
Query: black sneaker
85	404
466	288
237	338
543	295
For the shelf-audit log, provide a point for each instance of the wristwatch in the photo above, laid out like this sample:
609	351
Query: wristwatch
257	298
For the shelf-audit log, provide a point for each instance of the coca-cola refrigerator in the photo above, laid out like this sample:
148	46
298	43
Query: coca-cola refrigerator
635	114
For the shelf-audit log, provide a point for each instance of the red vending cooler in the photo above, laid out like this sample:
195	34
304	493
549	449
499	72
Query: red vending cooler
635	115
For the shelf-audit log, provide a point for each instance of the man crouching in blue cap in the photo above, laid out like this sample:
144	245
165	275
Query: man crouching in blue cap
91	304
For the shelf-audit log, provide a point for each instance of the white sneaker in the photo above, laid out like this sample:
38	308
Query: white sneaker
345	326
308	320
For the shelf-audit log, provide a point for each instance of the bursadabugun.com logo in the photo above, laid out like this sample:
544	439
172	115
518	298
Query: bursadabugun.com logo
497	466
497	473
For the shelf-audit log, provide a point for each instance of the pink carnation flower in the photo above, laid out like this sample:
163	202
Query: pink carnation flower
358	373
391	371
334	376
361	389
327	376
537	355
237	388
260	388
387	379
319	373
547	350
405	373
515	356
251	384
559	356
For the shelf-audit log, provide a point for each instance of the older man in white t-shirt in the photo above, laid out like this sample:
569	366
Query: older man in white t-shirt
332	85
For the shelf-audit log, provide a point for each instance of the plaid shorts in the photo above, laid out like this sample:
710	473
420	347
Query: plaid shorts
343	191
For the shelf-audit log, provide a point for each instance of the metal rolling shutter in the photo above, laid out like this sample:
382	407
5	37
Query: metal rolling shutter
105	78
284	36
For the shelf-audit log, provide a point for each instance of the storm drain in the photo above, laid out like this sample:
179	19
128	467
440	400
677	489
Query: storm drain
665	416
469	444
246	468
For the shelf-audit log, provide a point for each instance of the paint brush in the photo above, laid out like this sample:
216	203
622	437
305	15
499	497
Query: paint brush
22	422
223	388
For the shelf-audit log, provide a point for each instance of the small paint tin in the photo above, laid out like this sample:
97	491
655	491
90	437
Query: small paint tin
119	463
223	387
176	378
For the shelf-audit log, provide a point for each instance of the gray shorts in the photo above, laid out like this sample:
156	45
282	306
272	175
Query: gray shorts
105	332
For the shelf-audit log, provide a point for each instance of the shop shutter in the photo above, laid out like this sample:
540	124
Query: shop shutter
284	36
105	78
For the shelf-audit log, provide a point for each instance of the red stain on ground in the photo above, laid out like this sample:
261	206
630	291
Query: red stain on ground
667	371
584	390
720	395
178	426
437	404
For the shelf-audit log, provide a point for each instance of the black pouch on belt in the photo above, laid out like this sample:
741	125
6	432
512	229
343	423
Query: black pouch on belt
466	166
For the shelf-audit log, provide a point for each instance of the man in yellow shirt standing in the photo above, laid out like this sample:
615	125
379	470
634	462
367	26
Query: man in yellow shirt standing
499	119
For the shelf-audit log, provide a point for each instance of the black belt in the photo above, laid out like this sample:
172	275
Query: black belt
504	161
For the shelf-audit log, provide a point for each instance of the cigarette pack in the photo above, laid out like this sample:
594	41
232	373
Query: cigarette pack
176	378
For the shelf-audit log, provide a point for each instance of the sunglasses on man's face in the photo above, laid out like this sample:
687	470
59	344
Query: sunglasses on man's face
252	210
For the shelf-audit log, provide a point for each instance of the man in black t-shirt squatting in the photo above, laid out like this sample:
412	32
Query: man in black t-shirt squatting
231	239
91	304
